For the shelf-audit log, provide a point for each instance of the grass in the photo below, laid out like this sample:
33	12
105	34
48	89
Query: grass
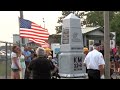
3	68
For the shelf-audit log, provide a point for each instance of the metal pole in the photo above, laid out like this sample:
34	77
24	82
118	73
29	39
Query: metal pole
21	14
44	22
10	52
107	44
6	61
22	39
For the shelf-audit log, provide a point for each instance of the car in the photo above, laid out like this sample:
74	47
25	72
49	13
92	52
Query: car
2	53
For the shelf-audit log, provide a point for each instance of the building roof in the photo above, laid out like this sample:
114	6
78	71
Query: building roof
88	29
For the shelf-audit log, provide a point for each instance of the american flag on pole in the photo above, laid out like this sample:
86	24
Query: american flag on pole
33	31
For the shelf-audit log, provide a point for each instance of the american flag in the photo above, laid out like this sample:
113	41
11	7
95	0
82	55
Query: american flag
30	29
33	31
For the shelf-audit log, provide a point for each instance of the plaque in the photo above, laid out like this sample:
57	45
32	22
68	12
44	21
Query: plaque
75	37
65	36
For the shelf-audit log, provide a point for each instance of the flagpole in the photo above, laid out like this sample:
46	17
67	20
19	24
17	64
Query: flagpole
44	22
19	42
22	39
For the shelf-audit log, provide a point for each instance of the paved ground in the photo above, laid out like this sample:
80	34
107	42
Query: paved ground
115	76
3	77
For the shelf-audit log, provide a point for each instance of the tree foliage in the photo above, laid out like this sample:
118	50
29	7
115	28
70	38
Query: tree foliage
60	20
64	14
115	27
95	18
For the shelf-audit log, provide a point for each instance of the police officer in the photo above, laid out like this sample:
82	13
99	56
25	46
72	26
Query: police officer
94	62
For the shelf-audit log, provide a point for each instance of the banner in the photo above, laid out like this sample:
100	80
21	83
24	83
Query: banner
113	41
91	43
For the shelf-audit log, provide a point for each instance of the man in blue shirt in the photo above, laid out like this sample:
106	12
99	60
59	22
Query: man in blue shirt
27	55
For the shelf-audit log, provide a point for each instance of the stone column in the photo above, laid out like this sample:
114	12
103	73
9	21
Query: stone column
71	57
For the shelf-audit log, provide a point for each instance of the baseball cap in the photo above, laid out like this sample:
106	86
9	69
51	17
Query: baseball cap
97	44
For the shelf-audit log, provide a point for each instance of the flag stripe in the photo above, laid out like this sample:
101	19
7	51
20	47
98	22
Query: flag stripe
39	29
46	45
41	43
34	31
34	27
37	40
34	34
35	37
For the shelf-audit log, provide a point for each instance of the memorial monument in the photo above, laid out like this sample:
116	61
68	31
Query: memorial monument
71	57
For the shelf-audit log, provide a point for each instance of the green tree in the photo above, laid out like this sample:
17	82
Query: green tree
60	19
115	27
95	18
64	14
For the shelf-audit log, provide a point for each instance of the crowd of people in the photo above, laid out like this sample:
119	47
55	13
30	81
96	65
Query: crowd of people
115	59
32	63
39	64
95	63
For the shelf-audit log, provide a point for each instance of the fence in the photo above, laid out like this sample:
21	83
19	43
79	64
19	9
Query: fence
5	59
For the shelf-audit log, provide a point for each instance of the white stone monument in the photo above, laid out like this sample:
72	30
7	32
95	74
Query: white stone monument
71	57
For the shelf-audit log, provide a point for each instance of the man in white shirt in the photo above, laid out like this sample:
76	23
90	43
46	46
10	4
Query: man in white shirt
94	62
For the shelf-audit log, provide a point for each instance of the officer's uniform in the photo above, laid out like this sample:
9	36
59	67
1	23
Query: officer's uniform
92	61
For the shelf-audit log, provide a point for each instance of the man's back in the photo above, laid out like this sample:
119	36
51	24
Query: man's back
94	59
95	63
41	68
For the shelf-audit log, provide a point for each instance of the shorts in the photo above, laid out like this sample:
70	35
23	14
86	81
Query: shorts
15	70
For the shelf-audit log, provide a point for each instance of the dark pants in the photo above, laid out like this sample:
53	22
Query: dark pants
27	74
86	69
15	70
93	74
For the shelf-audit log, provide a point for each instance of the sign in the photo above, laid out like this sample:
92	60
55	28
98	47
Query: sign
77	63
57	50
65	36
112	41
112	44
76	48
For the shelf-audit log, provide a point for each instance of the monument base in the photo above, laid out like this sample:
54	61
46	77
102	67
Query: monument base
71	65
74	76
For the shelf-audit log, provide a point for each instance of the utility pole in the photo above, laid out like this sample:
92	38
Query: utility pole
22	39
107	44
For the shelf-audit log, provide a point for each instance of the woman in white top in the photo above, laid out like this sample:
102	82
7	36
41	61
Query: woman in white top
22	64
15	66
